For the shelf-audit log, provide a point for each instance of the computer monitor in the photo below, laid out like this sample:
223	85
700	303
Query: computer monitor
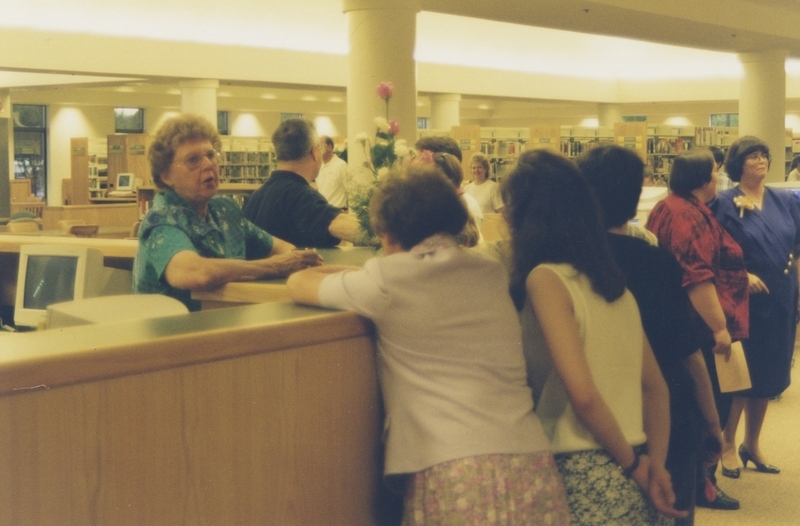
125	182
53	274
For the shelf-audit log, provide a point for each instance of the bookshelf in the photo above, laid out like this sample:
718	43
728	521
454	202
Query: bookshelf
246	160
98	167
664	143
576	140
502	146
546	136
468	138
238	192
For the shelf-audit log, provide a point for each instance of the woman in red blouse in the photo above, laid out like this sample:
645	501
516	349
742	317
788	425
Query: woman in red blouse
714	274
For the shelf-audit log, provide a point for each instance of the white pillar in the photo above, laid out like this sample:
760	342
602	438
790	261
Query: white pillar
762	104
200	98
6	152
382	36
445	110
608	114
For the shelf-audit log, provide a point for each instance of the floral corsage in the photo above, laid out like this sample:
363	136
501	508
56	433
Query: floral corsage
743	203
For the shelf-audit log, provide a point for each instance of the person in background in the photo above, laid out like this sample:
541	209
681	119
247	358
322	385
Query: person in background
765	222
332	176
723	181
794	171
714	277
192	239
655	279
287	206
439	144
461	435
599	391
451	168
483	189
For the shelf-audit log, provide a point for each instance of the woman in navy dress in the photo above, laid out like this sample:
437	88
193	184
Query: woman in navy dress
766	224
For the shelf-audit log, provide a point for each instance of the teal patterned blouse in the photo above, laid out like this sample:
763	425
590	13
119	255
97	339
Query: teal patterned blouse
172	226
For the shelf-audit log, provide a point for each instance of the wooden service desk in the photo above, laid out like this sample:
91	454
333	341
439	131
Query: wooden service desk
260	414
268	290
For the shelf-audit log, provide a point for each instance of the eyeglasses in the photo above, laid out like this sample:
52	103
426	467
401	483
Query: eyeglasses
757	156
194	161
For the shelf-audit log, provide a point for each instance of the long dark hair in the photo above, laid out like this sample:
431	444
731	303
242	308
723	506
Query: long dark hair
554	217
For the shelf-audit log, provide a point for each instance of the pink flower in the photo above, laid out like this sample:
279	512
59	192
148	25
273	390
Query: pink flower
385	90
394	128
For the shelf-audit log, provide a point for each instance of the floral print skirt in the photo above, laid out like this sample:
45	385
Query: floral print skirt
599	494
488	489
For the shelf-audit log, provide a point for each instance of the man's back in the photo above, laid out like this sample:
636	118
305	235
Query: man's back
288	208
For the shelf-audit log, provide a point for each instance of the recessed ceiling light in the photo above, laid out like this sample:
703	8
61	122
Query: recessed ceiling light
335	99
269	96
483	107
309	98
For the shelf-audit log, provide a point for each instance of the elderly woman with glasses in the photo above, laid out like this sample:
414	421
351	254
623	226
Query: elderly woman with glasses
765	222
192	239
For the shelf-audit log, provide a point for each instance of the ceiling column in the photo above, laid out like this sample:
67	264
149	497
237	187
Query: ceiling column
6	153
762	104
382	36
608	114
445	110
200	98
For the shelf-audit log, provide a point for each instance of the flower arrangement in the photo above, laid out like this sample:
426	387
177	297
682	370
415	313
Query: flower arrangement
381	155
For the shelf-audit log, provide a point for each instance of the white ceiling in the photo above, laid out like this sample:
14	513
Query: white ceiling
528	36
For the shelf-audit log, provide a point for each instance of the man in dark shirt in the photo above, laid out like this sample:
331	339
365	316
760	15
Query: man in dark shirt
286	205
654	278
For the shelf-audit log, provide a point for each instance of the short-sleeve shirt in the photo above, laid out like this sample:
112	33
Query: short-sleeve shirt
706	252
172	226
287	207
487	195
450	360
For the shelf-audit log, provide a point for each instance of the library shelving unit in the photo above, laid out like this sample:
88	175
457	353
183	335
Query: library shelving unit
468	138
664	143
632	135
544	136
502	146
76	191
575	140
246	160
98	167
237	191
721	136
127	154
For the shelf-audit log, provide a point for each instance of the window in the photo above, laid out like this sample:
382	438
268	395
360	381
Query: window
285	116
724	119
422	123
129	120
30	146
634	118
222	123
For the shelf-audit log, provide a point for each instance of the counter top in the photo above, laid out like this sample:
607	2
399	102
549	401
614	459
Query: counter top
116	248
269	290
50	358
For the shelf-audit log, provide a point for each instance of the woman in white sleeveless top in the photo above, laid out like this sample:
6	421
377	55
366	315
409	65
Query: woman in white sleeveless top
598	389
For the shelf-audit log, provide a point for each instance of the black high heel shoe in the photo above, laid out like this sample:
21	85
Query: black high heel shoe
763	468
730	473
